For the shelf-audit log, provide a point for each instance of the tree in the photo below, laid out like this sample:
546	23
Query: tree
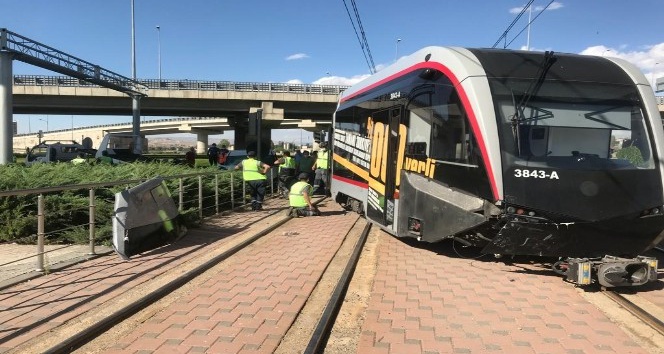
225	142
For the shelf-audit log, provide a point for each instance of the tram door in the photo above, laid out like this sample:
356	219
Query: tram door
384	161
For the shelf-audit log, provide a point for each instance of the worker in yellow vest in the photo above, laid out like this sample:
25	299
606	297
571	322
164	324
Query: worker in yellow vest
286	173
300	198
321	168
253	173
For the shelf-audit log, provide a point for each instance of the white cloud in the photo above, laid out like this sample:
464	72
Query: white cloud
294	81
554	6
340	80
297	56
650	60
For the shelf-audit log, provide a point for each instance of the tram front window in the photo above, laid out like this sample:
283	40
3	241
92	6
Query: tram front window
578	126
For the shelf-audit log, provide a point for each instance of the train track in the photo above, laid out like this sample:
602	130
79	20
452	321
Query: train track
636	310
318	337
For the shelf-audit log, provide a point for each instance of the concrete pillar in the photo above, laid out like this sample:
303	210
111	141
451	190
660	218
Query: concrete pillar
240	140
201	143
136	124
6	110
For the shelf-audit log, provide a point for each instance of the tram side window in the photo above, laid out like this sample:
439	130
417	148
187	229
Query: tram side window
452	138
418	136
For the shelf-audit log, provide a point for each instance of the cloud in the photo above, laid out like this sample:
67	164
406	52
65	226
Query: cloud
554	6
297	56
650	59
340	80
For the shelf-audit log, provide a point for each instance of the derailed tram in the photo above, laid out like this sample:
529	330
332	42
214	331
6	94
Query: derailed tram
515	152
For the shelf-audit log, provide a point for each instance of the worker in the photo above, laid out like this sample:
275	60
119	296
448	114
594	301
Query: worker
321	169
253	173
286	172
300	198
79	159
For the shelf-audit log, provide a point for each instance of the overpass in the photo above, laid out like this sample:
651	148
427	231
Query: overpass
200	126
282	105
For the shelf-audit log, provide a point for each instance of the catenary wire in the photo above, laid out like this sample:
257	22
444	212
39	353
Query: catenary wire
504	35
529	23
363	43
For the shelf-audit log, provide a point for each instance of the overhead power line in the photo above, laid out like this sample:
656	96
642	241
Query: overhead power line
504	35
361	37
531	21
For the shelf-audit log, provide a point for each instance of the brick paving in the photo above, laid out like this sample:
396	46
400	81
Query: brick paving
32	308
423	301
250	306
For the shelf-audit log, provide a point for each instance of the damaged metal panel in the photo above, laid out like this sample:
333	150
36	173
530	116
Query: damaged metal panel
146	218
444	211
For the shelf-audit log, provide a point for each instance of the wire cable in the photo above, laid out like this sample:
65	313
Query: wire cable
529	23
504	35
363	41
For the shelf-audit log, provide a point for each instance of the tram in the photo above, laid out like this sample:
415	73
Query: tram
515	152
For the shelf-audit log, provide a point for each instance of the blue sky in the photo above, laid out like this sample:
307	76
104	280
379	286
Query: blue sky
314	41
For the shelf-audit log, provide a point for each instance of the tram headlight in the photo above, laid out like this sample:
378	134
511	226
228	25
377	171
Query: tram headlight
656	211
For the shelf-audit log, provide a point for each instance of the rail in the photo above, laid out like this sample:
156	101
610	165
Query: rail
189	196
65	81
32	52
147	121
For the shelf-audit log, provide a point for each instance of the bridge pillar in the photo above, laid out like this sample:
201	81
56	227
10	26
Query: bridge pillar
136	124
6	110
201	143
240	139
243	140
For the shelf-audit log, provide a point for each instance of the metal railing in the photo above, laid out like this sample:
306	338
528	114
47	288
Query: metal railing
33	52
203	205
65	81
147	121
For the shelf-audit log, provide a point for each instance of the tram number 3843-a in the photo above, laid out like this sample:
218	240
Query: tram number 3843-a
523	173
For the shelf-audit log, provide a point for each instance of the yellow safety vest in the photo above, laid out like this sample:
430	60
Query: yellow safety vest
250	170
296	195
289	162
321	162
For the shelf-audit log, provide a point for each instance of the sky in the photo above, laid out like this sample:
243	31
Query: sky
315	41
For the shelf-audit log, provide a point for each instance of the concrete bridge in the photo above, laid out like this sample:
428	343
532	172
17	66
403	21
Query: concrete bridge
219	106
200	126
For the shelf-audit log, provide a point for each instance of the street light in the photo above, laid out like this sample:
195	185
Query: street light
396	52
159	50
46	120
652	77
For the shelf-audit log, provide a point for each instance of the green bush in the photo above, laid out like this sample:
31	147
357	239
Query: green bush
67	212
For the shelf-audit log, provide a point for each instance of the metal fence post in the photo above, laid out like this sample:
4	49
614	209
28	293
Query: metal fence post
40	233
92	221
200	197
181	195
244	192
216	193
232	191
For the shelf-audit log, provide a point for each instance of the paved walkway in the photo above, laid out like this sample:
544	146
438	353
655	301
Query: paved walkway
250	304
43	303
426	299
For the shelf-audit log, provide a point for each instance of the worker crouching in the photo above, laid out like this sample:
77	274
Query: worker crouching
300	198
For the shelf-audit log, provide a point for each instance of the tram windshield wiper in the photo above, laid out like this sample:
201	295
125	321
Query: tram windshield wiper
519	116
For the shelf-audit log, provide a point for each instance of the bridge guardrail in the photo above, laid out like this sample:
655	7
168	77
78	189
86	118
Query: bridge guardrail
39	80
